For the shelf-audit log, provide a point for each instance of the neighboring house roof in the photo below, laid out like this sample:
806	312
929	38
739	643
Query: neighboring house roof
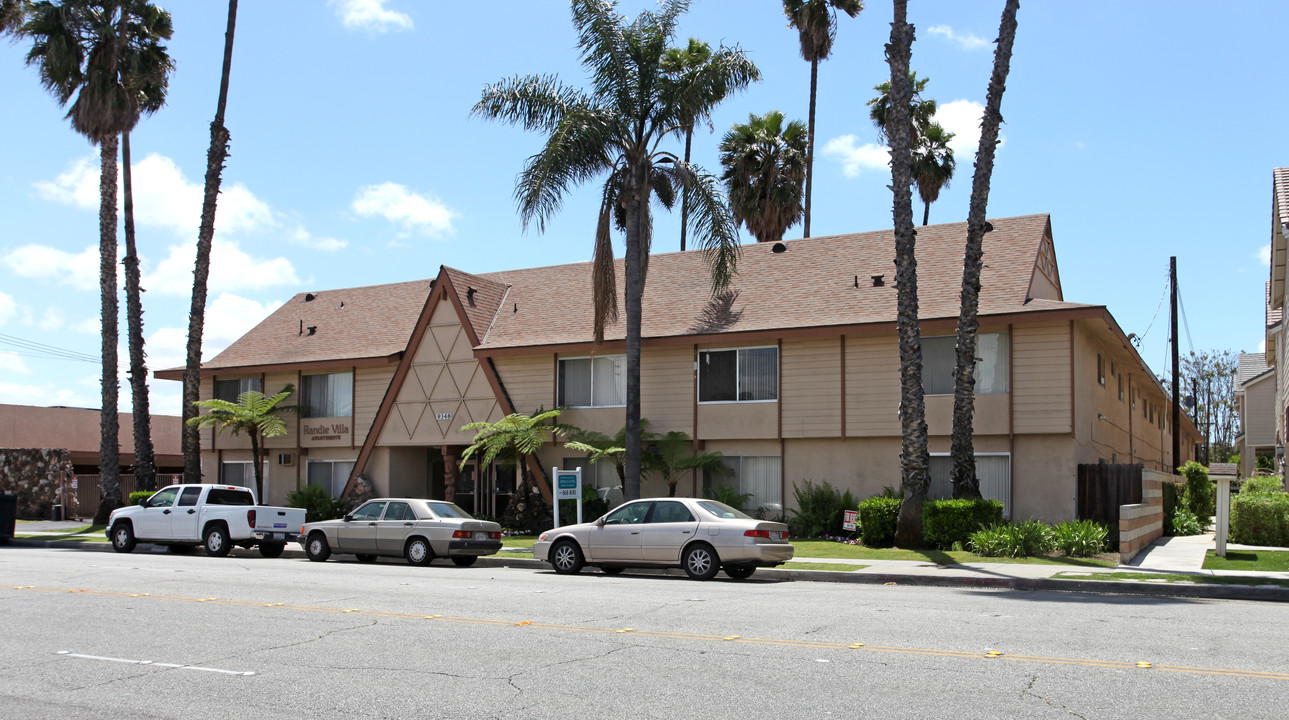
1279	247
1274	315
816	282
1249	368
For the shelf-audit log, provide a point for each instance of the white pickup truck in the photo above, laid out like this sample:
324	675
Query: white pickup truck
216	517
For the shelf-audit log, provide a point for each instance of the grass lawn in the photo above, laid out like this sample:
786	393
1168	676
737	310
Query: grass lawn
1264	560
1173	578
91	533
519	541
835	567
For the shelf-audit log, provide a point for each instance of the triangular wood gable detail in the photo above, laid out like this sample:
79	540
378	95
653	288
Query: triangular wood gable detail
439	385
1045	281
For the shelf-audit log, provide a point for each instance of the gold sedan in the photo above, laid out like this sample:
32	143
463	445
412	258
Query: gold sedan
413	528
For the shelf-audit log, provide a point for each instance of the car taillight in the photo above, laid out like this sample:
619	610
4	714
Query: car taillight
250	518
757	533
494	535
462	534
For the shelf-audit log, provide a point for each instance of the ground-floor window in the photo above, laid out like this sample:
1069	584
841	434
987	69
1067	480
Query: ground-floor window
757	476
330	475
242	474
993	469
603	474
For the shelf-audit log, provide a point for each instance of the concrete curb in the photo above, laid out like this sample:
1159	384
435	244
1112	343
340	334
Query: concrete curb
1107	587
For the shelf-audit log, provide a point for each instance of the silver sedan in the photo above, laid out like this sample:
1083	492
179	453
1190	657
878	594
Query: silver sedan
702	536
416	529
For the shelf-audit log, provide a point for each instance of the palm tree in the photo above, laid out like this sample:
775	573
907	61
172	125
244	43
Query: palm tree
255	414
965	482
674	454
215	158
599	446
615	129
12	15
765	166
922	112
816	24
103	54
933	165
915	461
677	62
516	436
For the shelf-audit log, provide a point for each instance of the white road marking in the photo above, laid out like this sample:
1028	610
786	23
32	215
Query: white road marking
128	661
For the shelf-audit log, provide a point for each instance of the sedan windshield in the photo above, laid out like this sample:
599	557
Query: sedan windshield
448	510
721	510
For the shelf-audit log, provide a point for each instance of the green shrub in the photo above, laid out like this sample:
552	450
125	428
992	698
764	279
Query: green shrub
138	495
1028	538
1174	497
877	516
819	509
593	506
1264	462
1266	485
945	522
317	503
1182	522
1084	538
1260	519
723	492
1201	498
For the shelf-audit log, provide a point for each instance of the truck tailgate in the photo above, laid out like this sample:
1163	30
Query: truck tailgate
278	520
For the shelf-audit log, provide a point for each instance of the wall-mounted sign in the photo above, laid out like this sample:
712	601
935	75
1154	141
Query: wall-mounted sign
324	432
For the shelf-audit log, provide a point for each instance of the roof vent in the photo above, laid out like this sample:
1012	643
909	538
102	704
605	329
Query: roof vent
989	227
469	295
778	248
313	330
878	281
309	297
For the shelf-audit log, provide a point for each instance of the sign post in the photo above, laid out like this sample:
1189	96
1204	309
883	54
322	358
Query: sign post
568	486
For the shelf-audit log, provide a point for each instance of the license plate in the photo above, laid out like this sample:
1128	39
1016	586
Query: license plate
481	536
778	536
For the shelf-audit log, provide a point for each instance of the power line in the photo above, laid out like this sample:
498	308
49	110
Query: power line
31	348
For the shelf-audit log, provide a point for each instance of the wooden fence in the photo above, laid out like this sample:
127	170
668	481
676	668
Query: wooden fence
1103	488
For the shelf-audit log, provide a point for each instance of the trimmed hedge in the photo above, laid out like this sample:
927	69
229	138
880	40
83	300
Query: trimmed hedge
877	516
1260	519
1265	485
138	495
945	522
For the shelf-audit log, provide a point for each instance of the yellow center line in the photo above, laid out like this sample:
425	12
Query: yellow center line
997	656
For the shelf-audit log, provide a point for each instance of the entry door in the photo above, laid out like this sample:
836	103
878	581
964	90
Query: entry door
618	539
467	488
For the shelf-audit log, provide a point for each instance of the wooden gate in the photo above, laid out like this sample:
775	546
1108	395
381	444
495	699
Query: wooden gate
1102	488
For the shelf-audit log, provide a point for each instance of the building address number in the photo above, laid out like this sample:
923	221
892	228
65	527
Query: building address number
442	416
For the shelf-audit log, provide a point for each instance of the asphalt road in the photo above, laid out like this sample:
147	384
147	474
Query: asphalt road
153	635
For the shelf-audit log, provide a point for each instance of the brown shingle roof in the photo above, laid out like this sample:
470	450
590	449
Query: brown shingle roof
481	305
812	284
1280	183
350	324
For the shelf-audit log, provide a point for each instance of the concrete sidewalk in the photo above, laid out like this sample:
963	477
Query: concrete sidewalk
1169	555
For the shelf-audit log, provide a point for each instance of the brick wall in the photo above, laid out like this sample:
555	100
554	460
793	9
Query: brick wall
1142	523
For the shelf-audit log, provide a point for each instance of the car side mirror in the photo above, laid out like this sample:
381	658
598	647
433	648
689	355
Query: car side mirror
143	502
600	522
349	517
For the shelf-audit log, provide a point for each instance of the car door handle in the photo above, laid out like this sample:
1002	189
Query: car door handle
635	532
408	524
191	512
165	512
371	524
685	532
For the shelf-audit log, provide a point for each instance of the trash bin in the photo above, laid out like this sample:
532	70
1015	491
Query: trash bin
56	513
8	516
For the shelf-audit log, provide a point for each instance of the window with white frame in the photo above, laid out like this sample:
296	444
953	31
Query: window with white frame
330	475
992	469
599	381
329	395
230	390
759	476
603	474
738	375
940	354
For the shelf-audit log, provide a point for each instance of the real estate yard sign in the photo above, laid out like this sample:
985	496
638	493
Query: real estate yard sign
568	486
849	519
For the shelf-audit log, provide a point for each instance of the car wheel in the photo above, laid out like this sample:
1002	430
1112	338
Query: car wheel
366	558
272	549
700	562
216	541
464	560
566	558
740	572
419	552
612	570
181	549
316	547
123	538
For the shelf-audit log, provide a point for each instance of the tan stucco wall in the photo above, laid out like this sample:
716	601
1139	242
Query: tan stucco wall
811	387
1044	478
738	420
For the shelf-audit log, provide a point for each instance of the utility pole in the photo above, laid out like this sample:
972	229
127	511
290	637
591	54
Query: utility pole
1177	409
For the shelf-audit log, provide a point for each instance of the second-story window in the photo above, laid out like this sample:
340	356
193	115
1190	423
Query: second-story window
330	395
940	354
742	375
593	382
230	390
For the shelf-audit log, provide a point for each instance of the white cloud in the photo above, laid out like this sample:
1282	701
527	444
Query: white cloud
53	319
10	362
41	262
306	239
371	15
1263	256
962	118
230	269
856	158
228	317
50	394
89	326
163	197
966	41
8	308
401	205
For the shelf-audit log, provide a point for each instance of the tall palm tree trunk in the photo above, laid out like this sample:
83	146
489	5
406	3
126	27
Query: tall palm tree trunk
965	482
145	464
257	467
810	145
197	313
109	452
915	462
637	211
684	199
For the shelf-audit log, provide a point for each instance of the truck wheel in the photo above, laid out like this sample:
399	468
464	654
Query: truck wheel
216	541
316	547
464	560
418	551
272	549
123	537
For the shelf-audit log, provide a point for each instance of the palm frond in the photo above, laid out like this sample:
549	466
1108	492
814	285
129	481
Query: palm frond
603	44
604	284
711	223
698	91
576	151
535	102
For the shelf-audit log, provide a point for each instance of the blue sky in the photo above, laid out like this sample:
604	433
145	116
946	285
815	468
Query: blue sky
1146	129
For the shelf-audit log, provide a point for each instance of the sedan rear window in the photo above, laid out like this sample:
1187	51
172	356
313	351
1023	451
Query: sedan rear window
448	510
219	496
721	510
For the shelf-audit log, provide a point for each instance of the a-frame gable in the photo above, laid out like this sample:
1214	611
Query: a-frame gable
1045	282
